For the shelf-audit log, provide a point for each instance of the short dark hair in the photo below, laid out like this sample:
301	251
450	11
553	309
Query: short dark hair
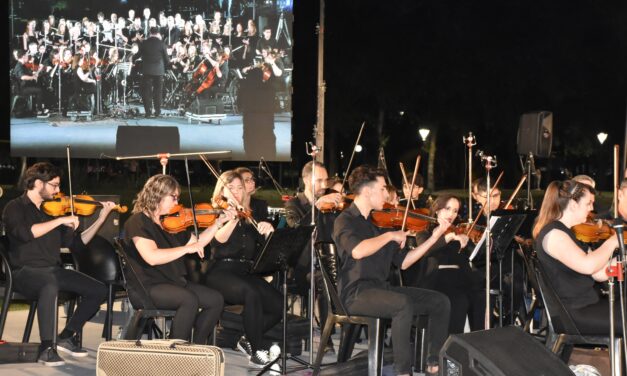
420	181
19	54
154	30
43	171
362	176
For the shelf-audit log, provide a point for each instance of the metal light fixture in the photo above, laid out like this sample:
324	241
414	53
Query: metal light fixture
358	148
602	136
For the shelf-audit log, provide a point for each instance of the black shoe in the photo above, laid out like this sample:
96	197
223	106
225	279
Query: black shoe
259	359
70	346
147	115
244	346
49	357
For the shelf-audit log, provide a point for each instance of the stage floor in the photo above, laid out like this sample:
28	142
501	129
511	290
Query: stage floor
34	137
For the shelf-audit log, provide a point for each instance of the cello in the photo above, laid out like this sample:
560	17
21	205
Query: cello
203	78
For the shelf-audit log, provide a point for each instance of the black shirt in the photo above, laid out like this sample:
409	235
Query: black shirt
350	229
574	289
140	225
259	208
242	244
298	212
19	215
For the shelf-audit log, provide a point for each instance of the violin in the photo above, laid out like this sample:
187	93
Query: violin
592	231
179	218
83	205
392	217
332	207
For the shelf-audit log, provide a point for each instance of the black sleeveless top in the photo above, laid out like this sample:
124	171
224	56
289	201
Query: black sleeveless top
574	289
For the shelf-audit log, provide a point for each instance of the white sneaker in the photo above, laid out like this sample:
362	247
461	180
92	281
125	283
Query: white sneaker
274	352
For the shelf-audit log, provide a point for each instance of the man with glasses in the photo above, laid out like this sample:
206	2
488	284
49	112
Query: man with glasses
35	240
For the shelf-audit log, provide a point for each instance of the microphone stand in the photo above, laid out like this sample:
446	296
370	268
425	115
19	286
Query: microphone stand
163	157
489	163
469	141
618	273
312	150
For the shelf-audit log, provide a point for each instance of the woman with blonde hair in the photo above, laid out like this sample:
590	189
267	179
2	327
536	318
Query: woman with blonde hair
234	248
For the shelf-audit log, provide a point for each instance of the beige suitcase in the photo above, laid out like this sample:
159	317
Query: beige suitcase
158	357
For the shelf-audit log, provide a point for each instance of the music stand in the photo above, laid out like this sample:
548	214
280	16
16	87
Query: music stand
504	226
282	249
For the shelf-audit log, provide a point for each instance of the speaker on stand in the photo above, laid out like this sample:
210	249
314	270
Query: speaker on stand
534	140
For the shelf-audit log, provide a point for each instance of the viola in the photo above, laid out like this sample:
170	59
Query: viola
179	218
83	205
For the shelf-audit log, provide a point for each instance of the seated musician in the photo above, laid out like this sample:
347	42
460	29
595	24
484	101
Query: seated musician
443	268
480	195
415	194
160	255
571	268
28	83
85	81
257	205
234	249
35	240
367	253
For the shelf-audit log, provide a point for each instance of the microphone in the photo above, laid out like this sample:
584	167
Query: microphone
479	153
618	226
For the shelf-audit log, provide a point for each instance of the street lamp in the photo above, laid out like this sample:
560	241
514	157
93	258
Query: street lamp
358	148
424	133
602	136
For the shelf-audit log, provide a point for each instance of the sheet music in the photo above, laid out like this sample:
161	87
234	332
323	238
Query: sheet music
493	220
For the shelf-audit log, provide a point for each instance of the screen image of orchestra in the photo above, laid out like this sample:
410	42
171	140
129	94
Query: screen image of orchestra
222	77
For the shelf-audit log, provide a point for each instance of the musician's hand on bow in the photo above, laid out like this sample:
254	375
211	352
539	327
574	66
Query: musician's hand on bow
264	228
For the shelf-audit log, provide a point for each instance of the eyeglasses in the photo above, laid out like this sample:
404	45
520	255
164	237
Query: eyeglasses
55	186
250	180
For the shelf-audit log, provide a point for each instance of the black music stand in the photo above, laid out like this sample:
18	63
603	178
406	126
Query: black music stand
505	225
281	250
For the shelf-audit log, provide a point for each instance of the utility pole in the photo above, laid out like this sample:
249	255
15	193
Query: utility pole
319	127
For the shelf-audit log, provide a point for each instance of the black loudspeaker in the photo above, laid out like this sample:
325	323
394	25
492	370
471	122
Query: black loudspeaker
535	134
207	106
146	140
499	352
111	227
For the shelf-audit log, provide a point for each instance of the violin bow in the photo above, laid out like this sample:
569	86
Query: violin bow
616	184
413	181
69	178
405	183
520	183
348	168
474	223
215	173
191	199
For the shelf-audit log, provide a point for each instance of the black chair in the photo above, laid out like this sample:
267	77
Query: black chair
16	92
327	257
562	332
536	301
145	313
9	294
100	261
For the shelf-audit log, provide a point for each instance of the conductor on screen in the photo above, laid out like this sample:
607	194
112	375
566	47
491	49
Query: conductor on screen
155	58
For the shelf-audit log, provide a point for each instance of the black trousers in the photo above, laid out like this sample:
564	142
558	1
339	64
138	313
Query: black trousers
186	301
595	319
404	305
263	304
151	87
37	94
44	284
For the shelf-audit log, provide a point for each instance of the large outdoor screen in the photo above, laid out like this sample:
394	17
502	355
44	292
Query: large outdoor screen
83	74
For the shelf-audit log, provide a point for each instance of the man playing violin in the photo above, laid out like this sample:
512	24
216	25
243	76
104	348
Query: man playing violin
367	253
28	82
35	240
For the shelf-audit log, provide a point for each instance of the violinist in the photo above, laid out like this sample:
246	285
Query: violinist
571	267
480	195
443	268
155	58
35	240
258	206
28	83
416	192
367	254
234	249
86	83
160	257
393	198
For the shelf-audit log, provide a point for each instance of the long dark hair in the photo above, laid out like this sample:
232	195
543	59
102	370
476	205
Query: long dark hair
556	198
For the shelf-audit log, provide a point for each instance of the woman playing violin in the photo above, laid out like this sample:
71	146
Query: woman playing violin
570	266
258	206
160	258
445	269
234	249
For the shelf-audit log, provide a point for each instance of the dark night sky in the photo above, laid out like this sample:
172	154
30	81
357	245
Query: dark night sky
460	66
